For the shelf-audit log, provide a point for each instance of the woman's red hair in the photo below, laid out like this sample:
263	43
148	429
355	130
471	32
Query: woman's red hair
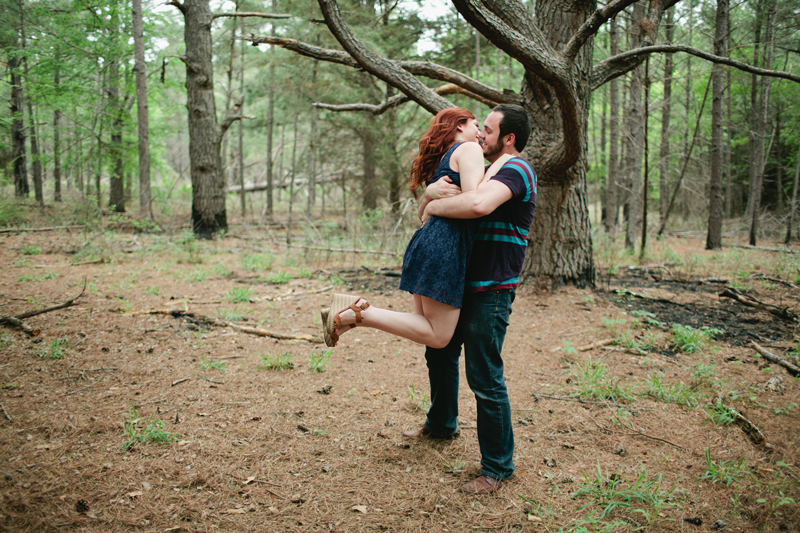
434	144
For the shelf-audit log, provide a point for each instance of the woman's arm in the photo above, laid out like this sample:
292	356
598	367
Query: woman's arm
495	168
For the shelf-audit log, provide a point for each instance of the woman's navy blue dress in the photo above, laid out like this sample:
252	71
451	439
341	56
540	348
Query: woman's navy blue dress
435	261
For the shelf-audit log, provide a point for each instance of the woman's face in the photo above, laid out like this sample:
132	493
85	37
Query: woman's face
470	130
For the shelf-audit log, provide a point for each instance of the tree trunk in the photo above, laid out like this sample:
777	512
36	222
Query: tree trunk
312	146
21	186
56	142
716	197
560	239
208	182
142	111
760	123
370	179
270	118
612	187
35	156
793	209
634	138
729	137
663	154
779	162
116	197
242	196
294	169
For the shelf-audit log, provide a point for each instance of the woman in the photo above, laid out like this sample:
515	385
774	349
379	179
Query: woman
435	261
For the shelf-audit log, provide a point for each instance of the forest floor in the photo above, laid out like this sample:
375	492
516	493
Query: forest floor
118	420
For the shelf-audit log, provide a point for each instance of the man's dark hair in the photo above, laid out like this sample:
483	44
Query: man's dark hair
516	121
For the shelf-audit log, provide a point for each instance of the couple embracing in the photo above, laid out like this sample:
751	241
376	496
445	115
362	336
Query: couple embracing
462	267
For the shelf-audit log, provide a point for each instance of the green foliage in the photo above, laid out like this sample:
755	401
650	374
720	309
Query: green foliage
55	349
36	278
675	392
594	383
690	340
31	250
153	291
197	275
239	294
319	361
233	314
257	262
279	362
212	365
720	414
151	431
726	472
629	340
419	398
279	278
11	213
568	348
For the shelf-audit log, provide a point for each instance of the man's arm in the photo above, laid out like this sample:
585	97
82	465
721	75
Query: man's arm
442	188
471	204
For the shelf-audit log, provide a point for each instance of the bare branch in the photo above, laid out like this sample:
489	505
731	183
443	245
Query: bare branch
417	68
618	65
243	14
592	24
398	99
177	4
378	66
233	115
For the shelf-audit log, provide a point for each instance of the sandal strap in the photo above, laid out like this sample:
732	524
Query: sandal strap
357	309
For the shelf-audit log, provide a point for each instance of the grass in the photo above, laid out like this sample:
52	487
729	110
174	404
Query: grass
629	340
31	250
153	291
675	392
239	294
419	399
212	365
720	414
279	278
36	278
55	349
197	275
690	340
318	361
594	383
257	262
277	362
151	431
232	315
726	472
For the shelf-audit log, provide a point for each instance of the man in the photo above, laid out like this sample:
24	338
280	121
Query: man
505	206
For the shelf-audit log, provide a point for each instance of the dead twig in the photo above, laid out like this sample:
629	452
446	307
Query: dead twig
5	413
178	381
598	344
31	230
87	386
14	321
760	276
794	370
56	307
626	292
748	301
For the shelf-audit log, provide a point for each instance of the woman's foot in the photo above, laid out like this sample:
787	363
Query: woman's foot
350	307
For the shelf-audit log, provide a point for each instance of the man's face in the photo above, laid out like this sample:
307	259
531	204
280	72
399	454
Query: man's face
490	136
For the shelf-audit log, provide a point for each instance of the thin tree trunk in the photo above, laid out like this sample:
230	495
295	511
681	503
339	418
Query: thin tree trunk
294	168
56	141
35	156
663	154
21	186
716	197
779	166
312	146
116	199
270	118
242	196
646	187
612	188
793	209
634	139
477	68
729	139
227	158
143	120
602	158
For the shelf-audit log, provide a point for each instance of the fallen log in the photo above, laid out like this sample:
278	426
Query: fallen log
748	301
17	320
794	370
24	230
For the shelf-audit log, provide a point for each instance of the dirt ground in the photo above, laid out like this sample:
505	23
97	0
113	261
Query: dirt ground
299	451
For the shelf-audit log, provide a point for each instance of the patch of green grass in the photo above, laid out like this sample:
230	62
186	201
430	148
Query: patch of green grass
279	278
720	414
55	349
198	275
644	343
594	383
232	314
257	262
568	348
6	340
36	278
151	431
153	291
31	250
726	472
212	365
612	323
277	362
220	270
11	213
319	360
690	340
677	392
419	398
239	294
643	498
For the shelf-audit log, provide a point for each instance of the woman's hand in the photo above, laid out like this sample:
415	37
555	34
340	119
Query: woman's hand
442	188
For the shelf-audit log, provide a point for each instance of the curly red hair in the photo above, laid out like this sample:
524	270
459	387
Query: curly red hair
437	139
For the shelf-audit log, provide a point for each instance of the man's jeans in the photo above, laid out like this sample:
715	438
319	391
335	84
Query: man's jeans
481	330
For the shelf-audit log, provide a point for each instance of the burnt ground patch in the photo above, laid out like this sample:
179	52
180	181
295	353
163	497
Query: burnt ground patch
696	303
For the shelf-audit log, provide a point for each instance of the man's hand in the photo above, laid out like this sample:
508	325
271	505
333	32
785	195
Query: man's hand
442	188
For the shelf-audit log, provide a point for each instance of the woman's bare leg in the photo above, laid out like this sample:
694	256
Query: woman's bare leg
432	323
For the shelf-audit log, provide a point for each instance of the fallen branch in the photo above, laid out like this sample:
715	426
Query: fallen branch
56	307
14	321
761	276
179	381
346	250
598	344
87	386
749	301
264	333
771	357
748	427
22	230
5	413
626	292
761	248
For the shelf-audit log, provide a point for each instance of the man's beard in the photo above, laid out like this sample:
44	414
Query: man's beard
492	150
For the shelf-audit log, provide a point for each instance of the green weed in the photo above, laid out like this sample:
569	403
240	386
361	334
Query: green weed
786	410
319	361
594	383
232	315
690	340
677	393
197	276
612	323
6	340
279	278
720	414
55	349
419	398
629	340
568	348
726	472
153	291
36	278
276	362
150	432
257	262
211	365
239	294
31	250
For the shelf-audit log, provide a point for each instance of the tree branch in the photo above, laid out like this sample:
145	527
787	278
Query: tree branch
232	116
378	66
177	4
617	65
592	24
417	68
243	14
398	99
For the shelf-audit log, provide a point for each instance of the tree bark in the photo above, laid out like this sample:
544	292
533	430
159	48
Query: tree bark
143	121
716	196
270	120
634	137
35	156
612	187
56	140
242	197
663	154
21	186
294	169
793	209
205	135
312	146
116	198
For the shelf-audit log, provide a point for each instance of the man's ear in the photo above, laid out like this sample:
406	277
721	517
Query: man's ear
510	139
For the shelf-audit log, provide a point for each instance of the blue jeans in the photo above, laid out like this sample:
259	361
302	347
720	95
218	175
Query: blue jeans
481	330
